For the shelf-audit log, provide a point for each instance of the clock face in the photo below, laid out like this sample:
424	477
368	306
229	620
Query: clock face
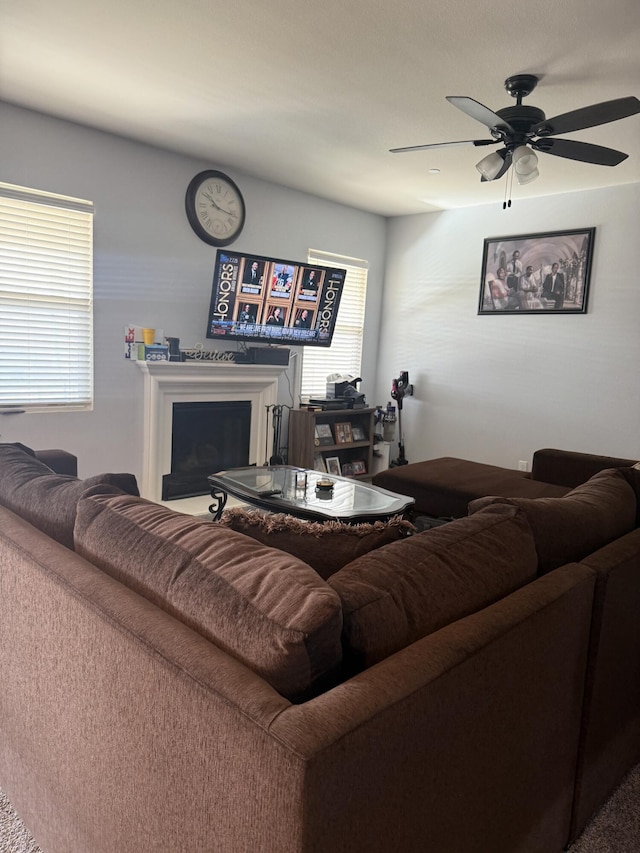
215	208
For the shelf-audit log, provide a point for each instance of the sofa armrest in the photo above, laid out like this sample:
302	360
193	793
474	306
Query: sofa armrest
397	749
59	461
569	468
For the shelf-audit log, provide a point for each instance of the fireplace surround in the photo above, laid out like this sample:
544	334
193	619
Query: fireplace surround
166	383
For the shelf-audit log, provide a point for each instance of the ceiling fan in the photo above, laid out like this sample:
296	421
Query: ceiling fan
523	130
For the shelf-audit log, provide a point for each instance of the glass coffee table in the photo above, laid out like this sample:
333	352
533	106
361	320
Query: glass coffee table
305	494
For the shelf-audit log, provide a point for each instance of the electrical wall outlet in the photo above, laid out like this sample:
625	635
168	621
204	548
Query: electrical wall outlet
522	465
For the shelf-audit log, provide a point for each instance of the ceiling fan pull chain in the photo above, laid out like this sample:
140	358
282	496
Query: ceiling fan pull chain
507	190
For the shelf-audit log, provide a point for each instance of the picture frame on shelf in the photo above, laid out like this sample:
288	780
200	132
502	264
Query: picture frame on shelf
333	466
319	463
347	469
358	433
544	273
359	466
344	434
323	435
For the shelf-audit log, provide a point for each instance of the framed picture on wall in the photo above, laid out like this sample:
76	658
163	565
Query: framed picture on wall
545	273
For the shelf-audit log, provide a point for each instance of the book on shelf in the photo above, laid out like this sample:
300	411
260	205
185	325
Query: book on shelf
323	434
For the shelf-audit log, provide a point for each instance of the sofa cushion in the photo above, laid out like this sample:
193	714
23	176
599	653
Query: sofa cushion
45	499
19	445
566	529
398	594
569	467
326	547
443	487
264	607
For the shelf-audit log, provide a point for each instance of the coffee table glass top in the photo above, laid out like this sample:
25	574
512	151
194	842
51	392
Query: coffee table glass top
281	488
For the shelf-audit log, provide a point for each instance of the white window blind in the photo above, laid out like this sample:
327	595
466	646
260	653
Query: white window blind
46	300
345	353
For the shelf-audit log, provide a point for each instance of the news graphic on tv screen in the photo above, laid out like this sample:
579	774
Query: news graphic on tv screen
259	299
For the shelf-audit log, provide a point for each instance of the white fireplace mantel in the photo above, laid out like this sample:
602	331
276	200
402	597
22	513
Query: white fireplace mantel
168	382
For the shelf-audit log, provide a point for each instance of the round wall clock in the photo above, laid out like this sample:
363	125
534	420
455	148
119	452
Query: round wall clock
215	208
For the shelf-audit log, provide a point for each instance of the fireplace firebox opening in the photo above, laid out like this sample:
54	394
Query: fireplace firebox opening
205	438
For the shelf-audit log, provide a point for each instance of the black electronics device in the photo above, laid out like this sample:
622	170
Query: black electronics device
258	299
347	390
268	355
338	403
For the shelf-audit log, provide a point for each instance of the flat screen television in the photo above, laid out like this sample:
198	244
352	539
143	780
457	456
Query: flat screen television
256	299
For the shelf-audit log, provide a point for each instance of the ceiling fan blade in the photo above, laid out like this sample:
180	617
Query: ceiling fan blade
588	117
583	151
444	145
508	157
479	112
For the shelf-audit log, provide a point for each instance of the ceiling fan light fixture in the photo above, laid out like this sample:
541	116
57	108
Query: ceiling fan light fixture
525	162
490	165
528	177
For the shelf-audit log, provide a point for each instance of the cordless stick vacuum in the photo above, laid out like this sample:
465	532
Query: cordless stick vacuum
400	388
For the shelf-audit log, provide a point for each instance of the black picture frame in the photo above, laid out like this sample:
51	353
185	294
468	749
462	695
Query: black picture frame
518	291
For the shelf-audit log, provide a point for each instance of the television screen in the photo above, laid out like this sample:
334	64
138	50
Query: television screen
259	299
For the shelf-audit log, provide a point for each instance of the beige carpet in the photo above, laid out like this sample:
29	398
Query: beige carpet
14	837
614	829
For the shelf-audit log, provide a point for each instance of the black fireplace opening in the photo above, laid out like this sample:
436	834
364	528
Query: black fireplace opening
205	438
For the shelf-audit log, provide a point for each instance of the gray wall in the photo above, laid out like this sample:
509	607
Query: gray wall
488	388
496	388
151	269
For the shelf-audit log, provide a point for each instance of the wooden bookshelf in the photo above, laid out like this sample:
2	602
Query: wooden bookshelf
304	445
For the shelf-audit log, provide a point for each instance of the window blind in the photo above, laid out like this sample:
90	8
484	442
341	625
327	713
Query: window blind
46	300
345	353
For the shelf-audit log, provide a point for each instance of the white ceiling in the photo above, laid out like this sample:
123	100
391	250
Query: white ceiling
312	95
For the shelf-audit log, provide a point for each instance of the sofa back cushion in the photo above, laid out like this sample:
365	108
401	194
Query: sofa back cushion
566	529
393	596
569	467
264	607
325	547
45	499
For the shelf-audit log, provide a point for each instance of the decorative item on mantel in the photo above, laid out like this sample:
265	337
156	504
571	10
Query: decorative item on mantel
135	345
199	353
169	349
174	349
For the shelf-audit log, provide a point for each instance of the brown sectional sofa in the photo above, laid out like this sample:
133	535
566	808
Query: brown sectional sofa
171	684
443	487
